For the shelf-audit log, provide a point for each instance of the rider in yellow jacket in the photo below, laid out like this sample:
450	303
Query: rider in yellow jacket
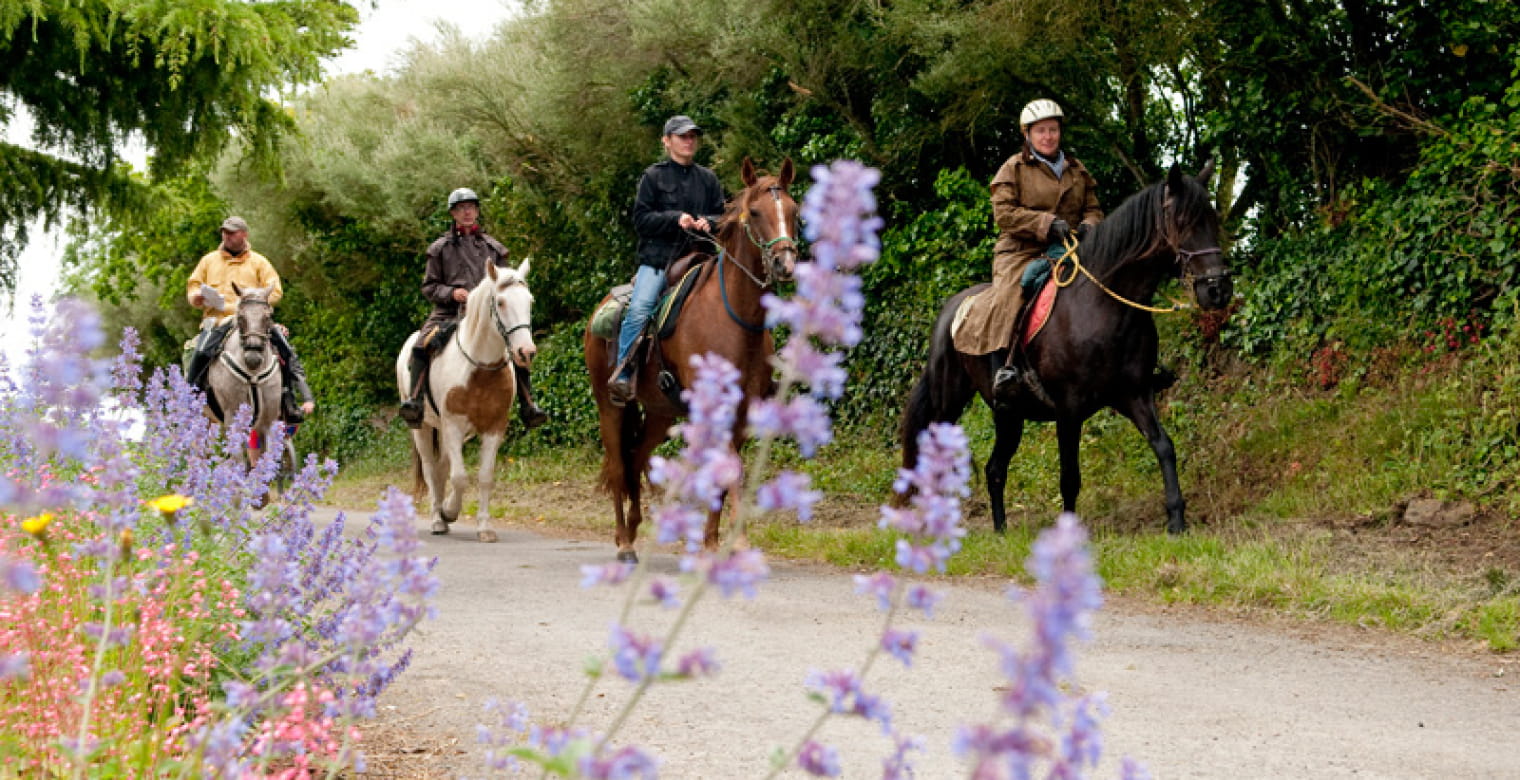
235	261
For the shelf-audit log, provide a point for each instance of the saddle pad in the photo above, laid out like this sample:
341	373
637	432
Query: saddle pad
1039	311
670	305
608	317
960	313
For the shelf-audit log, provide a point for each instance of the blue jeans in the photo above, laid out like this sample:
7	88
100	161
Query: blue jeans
648	285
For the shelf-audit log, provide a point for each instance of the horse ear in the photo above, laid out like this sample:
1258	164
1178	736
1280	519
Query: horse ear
747	171
491	269
1206	172
1174	179
522	270
787	172
237	290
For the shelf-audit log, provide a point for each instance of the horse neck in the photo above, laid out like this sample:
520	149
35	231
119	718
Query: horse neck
743	293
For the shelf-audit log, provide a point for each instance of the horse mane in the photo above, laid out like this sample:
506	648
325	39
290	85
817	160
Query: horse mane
1130	231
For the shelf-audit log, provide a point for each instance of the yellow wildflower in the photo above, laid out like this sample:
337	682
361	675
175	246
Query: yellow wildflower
171	504
36	525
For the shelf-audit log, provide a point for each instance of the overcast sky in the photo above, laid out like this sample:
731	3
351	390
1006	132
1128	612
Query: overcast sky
386	29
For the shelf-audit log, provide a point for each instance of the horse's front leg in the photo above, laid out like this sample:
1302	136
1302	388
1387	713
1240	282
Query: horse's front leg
1009	432
427	468
484	478
1142	412
1069	440
451	441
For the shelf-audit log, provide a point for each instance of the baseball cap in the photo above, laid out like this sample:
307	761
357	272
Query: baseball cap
235	225
680	124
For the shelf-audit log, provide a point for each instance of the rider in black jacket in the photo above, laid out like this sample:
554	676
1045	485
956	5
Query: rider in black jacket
676	197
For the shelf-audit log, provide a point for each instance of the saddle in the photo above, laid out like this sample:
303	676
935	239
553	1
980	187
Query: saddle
680	279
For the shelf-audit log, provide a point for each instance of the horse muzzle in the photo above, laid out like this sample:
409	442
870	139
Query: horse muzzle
1214	291
784	263
524	356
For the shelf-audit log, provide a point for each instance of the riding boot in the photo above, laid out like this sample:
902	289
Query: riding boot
532	416
621	388
411	409
209	346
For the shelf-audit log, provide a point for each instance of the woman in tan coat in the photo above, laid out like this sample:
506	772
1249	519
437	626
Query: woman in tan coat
1037	196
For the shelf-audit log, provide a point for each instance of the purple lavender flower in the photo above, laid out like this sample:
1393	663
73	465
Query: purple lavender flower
1060	608
818	759
936	485
635	657
900	644
606	574
922	598
702	662
666	592
625	763
18	576
881	585
842	692
789	491
897	766
741	572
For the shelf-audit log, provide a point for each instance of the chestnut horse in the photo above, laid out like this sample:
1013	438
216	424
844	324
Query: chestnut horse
1098	348
757	242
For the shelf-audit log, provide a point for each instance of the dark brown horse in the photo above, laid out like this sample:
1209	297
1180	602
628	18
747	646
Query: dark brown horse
757	242
1098	349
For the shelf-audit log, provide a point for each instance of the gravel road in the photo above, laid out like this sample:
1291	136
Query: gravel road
1190	695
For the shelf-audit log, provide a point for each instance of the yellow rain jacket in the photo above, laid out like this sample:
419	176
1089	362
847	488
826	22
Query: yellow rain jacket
219	270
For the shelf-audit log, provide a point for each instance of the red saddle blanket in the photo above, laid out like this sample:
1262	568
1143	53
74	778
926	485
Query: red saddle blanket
1039	311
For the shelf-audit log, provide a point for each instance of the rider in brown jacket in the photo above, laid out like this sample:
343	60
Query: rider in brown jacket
456	263
1039	197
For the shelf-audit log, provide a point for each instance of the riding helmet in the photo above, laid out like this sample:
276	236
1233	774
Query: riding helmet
461	195
1038	110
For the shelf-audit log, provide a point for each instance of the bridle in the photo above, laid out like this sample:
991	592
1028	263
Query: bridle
502	328
769	257
257	339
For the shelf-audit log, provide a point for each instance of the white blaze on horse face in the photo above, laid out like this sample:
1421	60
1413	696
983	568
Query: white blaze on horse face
515	308
782	227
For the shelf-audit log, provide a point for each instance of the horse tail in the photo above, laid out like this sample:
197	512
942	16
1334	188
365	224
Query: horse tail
633	432
943	389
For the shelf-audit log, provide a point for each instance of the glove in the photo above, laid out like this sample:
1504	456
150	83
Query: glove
1082	231
1058	233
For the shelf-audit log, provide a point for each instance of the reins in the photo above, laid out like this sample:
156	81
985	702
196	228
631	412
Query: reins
767	261
1166	231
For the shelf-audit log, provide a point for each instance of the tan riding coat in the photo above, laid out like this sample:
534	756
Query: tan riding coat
219	270
1026	198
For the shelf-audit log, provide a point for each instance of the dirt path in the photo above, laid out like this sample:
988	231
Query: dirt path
1190	696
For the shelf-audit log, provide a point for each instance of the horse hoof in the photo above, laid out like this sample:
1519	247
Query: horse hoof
627	556
440	528
486	536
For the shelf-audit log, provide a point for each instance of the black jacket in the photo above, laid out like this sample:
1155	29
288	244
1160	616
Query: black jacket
667	190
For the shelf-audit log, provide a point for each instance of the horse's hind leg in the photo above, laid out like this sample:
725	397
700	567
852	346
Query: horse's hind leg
1142	412
1009	427
484	478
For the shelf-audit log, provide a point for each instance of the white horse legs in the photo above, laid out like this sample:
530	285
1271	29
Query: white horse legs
484	478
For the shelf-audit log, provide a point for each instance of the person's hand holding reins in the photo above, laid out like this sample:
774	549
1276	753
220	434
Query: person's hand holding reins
688	222
461	294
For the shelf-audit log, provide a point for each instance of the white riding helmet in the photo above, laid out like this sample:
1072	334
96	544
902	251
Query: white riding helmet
1038	110
461	195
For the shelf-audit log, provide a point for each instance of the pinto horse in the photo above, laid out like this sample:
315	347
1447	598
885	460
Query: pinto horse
757	243
1098	347
470	391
